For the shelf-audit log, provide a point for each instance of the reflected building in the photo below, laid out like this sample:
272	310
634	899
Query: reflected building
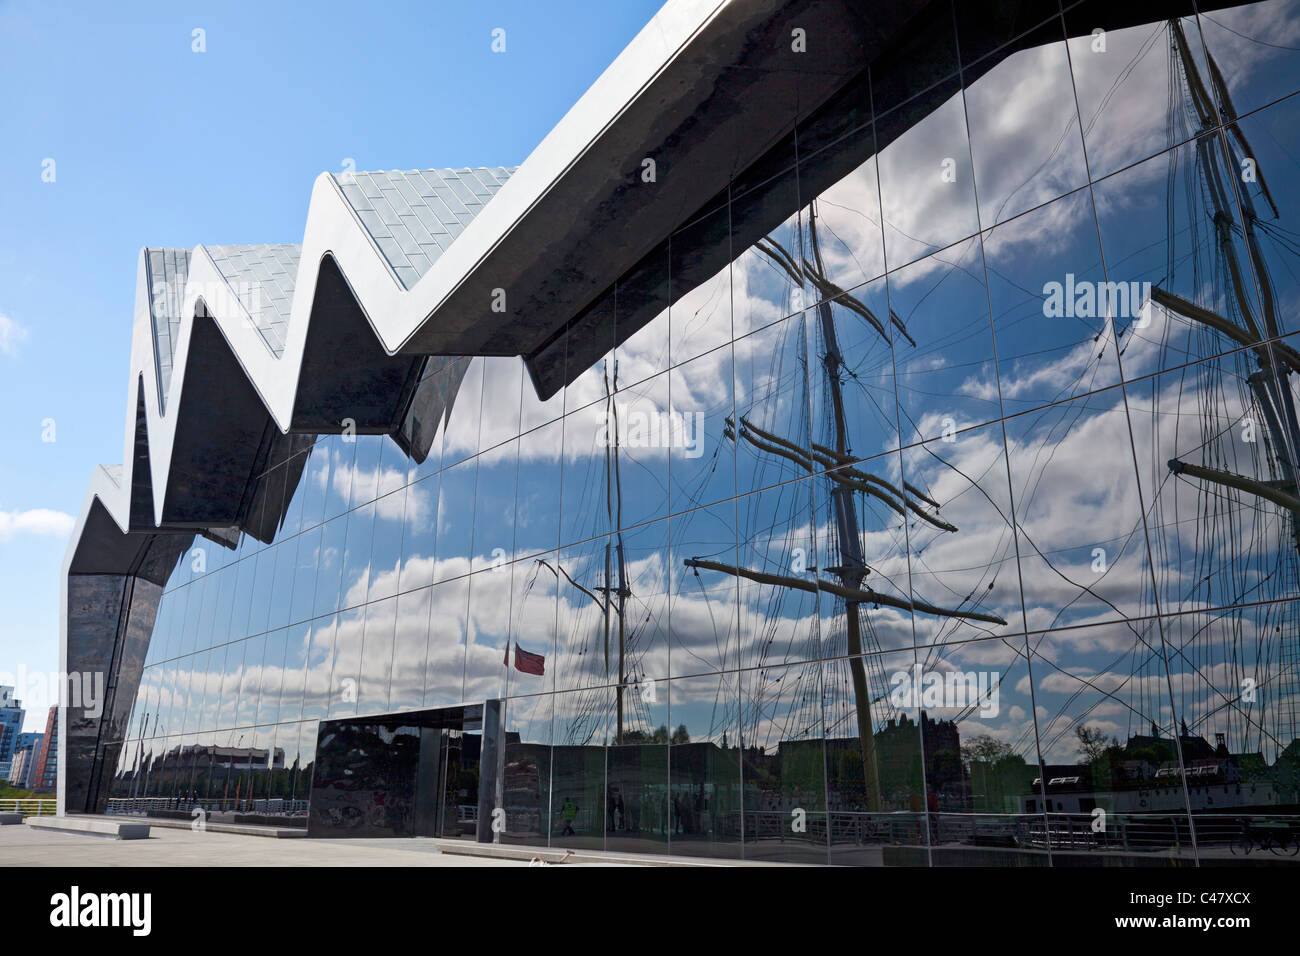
899	470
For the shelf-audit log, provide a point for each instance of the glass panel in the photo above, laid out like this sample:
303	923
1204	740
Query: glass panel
701	286
461	438
158	637
224	609
1107	739
784	764
842	242
704	590
494	506
533	587
702	465
356	556
921	57
962	550
537	498
297	647
1256	50
704	766
377	657
943	380
259	608
211	584
231	682
365	470
1157	231
875	792
286	555
272	677
250	686
1270	204
778	605
642	318
487	633
455	521
342	450
578	791
584	629
307	557
393	465
320	662
444	680
178	599
767	281
851	364
1235	691
386	545
1053	313
1210	465
986	26
1083	553
295	470
410	646
641	608
1024	128
1122	82
631	451
536	412
589	347
977	732
526	784
503	384
861	544
927	193
344	689
772	407
198	668
334	537
637	793
314	485
190	622
419	534
584	512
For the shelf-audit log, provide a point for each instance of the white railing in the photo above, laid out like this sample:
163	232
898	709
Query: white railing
272	806
32	806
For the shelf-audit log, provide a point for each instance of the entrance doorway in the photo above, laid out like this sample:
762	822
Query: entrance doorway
434	773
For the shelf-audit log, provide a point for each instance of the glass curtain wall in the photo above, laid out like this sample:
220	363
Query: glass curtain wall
931	500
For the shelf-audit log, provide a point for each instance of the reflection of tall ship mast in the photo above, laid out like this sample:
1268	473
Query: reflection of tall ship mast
1269	385
840	468
1228	573
1221	160
611	599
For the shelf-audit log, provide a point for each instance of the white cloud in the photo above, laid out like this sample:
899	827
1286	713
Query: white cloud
11	335
35	521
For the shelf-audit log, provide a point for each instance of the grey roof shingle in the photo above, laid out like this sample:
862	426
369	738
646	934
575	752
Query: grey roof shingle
166	271
414	215
263	278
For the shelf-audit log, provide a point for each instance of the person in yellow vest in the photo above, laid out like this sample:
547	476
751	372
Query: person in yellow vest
569	813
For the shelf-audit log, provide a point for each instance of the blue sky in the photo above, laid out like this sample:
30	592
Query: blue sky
154	144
